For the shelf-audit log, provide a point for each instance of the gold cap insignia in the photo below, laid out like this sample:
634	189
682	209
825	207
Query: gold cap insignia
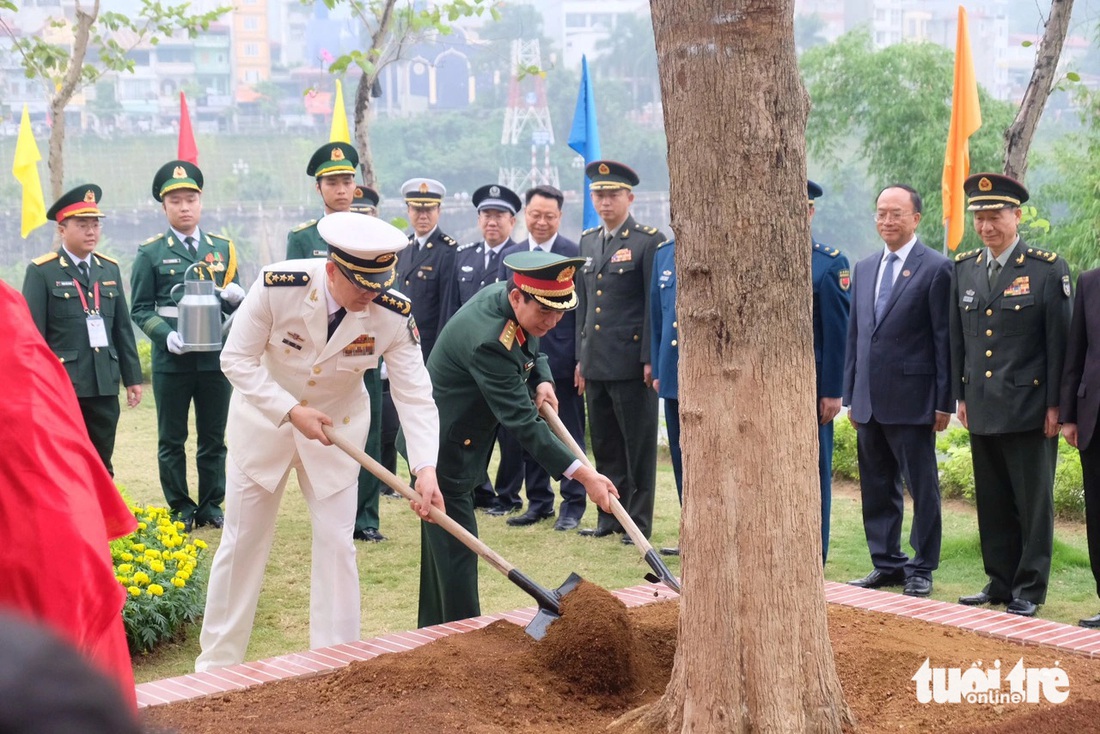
358	193
603	169
566	274
423	188
337	154
985	184
89	197
178	172
383	259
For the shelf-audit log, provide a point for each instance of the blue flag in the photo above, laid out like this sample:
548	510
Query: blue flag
584	138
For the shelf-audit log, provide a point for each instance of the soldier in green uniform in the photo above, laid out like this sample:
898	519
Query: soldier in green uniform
181	377
486	371
333	166
1009	326
75	297
613	352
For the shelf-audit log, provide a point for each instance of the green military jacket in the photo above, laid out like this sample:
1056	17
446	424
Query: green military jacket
484	372
51	288
158	267
304	242
1008	339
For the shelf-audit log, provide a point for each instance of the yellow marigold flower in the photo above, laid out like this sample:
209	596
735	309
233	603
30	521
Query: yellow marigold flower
179	525
156	590
185	575
141	578
142	526
178	582
157	566
152	553
139	547
134	591
125	568
200	543
124	580
126	557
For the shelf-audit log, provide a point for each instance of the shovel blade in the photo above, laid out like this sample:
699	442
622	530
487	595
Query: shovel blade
662	573
549	607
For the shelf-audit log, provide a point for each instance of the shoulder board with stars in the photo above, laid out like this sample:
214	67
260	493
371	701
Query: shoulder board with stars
1044	255
449	241
278	278
152	239
967	255
467	246
304	225
645	228
830	251
48	257
590	230
508	336
394	301
108	258
666	242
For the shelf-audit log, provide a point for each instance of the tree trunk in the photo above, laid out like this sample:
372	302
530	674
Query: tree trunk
59	99
362	129
1019	134
754	651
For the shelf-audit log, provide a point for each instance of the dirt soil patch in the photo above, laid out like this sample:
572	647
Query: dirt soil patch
600	660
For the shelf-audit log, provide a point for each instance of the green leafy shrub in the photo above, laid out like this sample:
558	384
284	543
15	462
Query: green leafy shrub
957	472
1069	483
166	583
145	356
845	459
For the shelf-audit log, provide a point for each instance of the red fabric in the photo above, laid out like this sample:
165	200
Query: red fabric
187	150
58	505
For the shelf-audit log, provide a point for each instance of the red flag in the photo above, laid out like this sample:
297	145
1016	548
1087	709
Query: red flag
188	151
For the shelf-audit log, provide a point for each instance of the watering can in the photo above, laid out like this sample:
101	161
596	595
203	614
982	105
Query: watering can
200	312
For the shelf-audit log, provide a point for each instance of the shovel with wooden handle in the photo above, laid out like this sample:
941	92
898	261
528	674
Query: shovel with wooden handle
663	574
549	601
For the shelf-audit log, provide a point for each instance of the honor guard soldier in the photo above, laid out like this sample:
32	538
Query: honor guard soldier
613	350
832	280
181	377
1009	327
486	371
76	299
333	166
425	269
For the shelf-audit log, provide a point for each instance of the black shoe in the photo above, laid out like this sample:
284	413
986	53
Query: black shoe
1092	622
370	535
670	551
918	586
388	492
214	522
188	524
566	523
501	511
596	532
627	540
877	579
528	518
976	600
1022	607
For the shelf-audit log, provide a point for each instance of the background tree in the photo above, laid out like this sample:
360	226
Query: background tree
754	651
65	69
629	54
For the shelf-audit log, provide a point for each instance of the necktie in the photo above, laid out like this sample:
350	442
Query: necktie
335	319
490	262
886	285
190	242
83	267
994	271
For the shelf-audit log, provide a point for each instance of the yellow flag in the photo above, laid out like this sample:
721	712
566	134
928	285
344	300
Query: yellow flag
339	132
25	170
966	118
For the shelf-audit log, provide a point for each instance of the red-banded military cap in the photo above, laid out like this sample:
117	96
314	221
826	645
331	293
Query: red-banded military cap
547	277
83	201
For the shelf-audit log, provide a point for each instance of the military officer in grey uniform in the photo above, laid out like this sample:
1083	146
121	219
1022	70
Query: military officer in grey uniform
333	166
613	350
1009	326
75	297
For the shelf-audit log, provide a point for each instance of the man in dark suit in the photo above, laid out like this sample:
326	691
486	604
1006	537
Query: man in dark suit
832	279
1009	320
486	371
543	217
613	352
897	384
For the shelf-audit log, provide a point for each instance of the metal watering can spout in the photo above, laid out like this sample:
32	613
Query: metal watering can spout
200	310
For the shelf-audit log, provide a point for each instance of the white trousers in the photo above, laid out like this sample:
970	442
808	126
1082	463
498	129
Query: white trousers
238	569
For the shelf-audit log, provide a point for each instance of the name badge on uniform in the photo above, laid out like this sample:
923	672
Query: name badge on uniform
623	255
320	253
528	366
97	331
665	275
170	261
63	284
969	296
1019	287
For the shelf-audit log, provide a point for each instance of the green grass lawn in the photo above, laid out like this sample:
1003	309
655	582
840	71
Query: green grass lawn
389	571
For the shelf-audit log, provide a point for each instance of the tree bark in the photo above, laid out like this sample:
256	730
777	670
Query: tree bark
754	652
1019	134
377	54
59	99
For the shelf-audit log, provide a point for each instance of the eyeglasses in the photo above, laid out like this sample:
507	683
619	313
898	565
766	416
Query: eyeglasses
894	216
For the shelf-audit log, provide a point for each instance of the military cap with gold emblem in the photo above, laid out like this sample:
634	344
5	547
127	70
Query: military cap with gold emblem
364	200
174	176
608	175
83	201
423	191
333	159
497	197
813	191
547	277
363	247
993	191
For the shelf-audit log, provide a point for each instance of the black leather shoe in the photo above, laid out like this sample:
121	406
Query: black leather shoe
1092	622
596	532
566	523
528	518
370	535
918	586
498	511
188	524
215	522
387	492
670	551
627	540
976	600
1022	607
877	579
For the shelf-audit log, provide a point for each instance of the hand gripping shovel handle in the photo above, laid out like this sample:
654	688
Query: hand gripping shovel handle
640	541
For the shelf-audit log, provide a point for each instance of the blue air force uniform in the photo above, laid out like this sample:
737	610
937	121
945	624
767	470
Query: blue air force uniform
665	349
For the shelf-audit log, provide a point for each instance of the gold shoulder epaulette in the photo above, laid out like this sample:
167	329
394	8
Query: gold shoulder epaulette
448	240
1044	255
395	302
467	246
967	255
108	258
508	336
219	237
152	239
43	259
666	242
645	228
276	278
304	225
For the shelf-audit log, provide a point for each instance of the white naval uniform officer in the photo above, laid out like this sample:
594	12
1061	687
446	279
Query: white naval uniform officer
289	377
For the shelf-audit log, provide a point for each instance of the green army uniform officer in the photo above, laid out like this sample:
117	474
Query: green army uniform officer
333	166
76	300
181	377
486	371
